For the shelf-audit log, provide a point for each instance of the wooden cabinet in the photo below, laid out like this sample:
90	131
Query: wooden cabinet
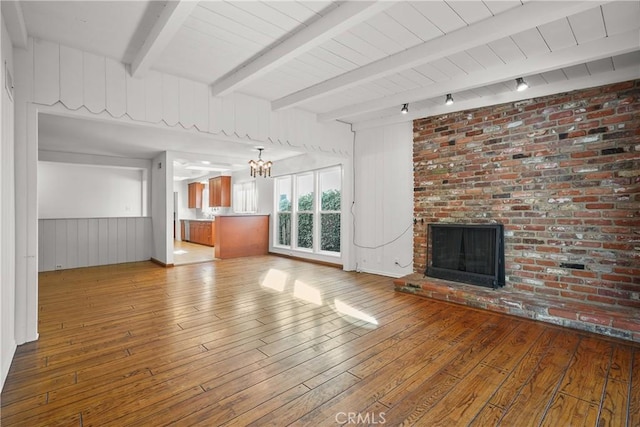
202	232
195	195
220	192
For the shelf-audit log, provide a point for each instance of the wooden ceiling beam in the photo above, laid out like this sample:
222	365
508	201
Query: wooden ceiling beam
338	20
169	22
598	49
529	15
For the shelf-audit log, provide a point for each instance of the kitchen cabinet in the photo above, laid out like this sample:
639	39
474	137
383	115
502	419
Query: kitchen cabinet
195	195
220	192
201	232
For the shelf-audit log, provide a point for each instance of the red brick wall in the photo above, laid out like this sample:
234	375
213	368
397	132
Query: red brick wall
562	173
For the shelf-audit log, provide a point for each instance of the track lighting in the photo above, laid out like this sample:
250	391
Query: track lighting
449	100
521	84
405	109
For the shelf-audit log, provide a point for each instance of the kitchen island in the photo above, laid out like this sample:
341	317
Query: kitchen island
241	235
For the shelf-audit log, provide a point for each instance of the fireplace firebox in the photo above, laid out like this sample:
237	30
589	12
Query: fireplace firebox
472	254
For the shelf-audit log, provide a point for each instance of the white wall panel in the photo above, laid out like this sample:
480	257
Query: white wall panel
274	126
215	114
384	199
103	241
263	117
94	82
187	112
46	69
113	236
7	211
106	84
170	99
116	87
243	121
71	79
83	242
130	239
228	116
153	96
93	242
121	225
288	127
136	98
47	236
61	243
72	244
201	106
142	245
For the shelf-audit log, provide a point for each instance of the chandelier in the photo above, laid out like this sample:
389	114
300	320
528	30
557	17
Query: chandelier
260	167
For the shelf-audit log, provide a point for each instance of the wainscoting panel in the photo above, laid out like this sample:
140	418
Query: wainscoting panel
83	80
84	242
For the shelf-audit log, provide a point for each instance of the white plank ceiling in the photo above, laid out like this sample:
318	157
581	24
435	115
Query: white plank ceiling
356	61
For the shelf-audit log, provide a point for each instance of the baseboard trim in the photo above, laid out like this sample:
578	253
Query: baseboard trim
313	261
161	264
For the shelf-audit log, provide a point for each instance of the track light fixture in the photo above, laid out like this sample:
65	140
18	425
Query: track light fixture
405	109
521	84
449	100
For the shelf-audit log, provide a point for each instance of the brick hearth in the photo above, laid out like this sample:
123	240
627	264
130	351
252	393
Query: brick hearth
562	173
620	322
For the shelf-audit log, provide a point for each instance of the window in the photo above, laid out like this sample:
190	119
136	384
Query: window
330	203
244	197
304	211
309	221
283	211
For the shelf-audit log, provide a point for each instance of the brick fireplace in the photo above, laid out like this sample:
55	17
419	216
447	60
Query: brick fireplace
562	174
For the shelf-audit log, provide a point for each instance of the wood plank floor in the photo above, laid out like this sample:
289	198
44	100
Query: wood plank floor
266	341
191	253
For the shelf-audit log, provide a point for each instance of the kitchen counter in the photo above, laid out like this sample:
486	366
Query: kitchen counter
241	235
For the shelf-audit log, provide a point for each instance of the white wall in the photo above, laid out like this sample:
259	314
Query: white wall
162	208
7	214
89	191
383	205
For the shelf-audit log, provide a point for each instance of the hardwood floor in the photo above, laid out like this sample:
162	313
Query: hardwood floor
239	342
191	253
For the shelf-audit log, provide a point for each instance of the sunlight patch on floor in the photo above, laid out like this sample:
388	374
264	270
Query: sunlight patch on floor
307	293
348	310
275	279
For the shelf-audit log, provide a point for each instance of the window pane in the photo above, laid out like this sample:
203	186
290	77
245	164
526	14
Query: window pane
330	232
283	195
284	229
330	190
305	230
305	192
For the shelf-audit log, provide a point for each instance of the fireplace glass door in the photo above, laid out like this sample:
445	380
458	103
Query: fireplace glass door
467	253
